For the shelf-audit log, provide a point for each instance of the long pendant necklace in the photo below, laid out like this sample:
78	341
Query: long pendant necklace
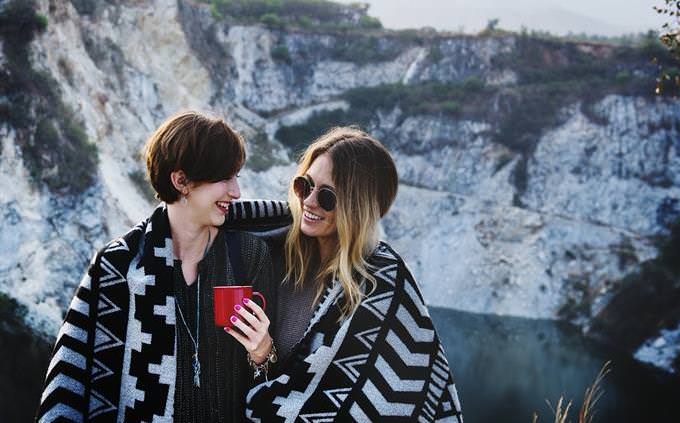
196	362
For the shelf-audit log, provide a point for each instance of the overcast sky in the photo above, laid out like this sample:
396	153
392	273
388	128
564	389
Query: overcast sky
604	17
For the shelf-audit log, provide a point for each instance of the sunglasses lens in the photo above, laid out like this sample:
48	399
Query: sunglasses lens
326	199
302	187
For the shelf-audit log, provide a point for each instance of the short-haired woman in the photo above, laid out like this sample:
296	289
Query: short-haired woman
139	341
355	339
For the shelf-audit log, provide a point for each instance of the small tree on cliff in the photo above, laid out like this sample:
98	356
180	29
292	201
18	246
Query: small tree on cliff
671	39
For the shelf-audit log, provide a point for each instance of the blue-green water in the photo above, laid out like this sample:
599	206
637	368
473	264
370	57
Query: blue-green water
505	369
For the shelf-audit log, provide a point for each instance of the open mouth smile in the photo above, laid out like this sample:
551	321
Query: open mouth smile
311	216
223	206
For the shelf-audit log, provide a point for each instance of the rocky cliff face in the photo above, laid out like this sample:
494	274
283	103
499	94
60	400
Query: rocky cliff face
548	226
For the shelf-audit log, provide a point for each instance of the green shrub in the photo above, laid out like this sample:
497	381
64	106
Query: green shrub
369	22
297	137
473	85
215	12
307	14
362	48
42	21
305	22
272	20
435	54
450	107
56	150
281	53
60	155
622	76
426	98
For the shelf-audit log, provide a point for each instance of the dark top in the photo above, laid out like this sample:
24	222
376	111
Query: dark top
294	311
225	374
294	307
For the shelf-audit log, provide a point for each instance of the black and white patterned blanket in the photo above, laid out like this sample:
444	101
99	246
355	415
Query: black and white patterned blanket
114	358
383	363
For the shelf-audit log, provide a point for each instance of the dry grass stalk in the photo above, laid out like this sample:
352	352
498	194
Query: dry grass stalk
560	415
593	395
590	399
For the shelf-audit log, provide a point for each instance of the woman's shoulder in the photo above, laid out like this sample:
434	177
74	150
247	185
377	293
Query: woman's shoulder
384	252
118	252
393	274
129	242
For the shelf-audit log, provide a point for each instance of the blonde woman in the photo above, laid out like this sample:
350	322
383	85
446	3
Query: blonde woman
355	339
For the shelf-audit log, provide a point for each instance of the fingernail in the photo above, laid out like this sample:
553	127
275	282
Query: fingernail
226	329
237	307
233	319
245	301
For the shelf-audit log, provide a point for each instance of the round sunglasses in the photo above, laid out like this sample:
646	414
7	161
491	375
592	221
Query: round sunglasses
303	187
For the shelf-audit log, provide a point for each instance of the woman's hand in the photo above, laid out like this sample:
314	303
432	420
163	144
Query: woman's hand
254	327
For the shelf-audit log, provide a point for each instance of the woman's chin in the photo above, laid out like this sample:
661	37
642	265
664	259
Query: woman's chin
306	230
217	219
311	229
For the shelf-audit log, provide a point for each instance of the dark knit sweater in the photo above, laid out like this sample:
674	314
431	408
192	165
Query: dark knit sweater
294	306
294	312
225	375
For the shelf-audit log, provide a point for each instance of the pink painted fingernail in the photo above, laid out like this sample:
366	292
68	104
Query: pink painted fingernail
226	329
233	319
237	307
245	301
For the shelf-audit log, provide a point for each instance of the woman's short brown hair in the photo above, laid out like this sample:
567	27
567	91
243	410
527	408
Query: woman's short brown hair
206	149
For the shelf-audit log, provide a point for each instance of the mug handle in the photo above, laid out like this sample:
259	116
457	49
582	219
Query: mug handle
264	302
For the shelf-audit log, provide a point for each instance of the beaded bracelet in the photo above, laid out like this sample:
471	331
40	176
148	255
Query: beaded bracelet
263	367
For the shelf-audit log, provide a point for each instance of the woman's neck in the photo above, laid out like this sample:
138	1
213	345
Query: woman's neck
189	239
326	248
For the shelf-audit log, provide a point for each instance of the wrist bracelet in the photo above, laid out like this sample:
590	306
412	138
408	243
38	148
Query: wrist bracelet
263	367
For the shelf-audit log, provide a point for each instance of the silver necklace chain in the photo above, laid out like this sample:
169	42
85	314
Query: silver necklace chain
196	361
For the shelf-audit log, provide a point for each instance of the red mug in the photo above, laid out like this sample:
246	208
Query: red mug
226	297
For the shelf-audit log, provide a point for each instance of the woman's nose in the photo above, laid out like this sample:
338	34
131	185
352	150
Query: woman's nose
310	201
234	190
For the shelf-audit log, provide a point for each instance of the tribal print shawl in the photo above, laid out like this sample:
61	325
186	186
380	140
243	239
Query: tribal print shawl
382	363
115	356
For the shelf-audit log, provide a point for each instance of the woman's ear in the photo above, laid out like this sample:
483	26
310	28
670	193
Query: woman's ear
180	181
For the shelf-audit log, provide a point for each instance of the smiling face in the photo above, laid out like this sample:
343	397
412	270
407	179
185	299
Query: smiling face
208	202
317	222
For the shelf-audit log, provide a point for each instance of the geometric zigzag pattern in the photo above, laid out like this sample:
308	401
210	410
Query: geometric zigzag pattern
87	356
95	373
384	362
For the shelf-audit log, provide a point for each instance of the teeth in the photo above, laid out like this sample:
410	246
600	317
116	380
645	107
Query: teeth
312	216
223	204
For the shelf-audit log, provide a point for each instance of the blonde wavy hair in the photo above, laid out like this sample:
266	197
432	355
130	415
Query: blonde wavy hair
366	181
